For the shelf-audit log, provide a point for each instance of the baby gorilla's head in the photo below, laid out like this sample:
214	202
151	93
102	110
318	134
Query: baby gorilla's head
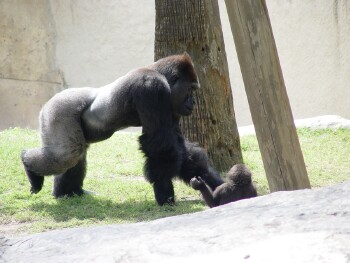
239	175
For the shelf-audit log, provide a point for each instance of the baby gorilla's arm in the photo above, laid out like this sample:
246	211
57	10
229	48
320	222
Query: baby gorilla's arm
197	183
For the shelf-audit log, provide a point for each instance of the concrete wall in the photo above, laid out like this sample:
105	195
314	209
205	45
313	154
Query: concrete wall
313	42
45	44
28	74
98	41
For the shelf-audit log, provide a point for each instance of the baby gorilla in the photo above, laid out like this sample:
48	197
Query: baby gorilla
238	186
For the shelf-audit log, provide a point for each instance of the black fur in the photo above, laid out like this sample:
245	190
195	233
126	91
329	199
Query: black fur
187	161
239	186
195	164
153	97
71	181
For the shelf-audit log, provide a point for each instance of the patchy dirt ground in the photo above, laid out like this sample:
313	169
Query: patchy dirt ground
14	229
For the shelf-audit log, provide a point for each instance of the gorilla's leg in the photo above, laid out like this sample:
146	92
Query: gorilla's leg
36	181
164	191
51	159
63	146
71	181
39	162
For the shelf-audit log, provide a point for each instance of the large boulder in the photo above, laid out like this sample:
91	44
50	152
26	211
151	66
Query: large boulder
298	226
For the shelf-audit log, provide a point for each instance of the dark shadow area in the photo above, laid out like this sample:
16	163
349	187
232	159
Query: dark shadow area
95	208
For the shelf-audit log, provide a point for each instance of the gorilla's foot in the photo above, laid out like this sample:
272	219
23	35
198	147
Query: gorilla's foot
171	201
79	192
36	181
166	201
69	193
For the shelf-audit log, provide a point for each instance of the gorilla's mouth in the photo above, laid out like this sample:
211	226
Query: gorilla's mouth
188	109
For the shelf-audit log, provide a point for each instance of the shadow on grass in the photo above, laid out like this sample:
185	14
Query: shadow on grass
93	208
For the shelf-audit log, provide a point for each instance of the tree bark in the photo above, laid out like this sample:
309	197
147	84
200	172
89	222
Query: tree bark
195	27
267	96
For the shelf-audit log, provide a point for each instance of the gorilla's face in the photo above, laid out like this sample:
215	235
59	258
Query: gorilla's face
183	83
182	97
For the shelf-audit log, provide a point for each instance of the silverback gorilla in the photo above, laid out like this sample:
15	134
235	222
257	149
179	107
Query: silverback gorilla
153	97
239	186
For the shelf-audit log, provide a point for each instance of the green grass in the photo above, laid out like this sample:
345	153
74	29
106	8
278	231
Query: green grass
120	194
326	154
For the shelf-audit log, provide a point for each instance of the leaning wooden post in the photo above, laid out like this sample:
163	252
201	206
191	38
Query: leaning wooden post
268	101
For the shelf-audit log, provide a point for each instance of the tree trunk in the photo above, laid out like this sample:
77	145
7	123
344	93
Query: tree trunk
195	27
267	95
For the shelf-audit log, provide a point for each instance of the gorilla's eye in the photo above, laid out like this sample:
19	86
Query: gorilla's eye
194	86
174	79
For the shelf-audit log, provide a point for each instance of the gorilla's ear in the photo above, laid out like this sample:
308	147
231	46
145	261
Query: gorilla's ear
186	54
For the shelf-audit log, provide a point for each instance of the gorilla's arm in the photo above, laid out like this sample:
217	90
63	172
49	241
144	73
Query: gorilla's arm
196	163
199	184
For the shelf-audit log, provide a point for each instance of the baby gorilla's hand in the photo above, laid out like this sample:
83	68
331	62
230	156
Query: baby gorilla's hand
196	183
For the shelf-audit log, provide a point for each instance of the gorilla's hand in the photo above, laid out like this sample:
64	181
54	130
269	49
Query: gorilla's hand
197	183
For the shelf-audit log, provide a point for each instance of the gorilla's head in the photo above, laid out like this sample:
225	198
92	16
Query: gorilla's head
182	78
239	175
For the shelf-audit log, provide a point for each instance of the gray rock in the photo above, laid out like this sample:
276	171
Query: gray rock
320	122
299	226
324	122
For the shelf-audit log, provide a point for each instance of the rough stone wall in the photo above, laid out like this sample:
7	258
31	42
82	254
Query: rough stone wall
28	75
